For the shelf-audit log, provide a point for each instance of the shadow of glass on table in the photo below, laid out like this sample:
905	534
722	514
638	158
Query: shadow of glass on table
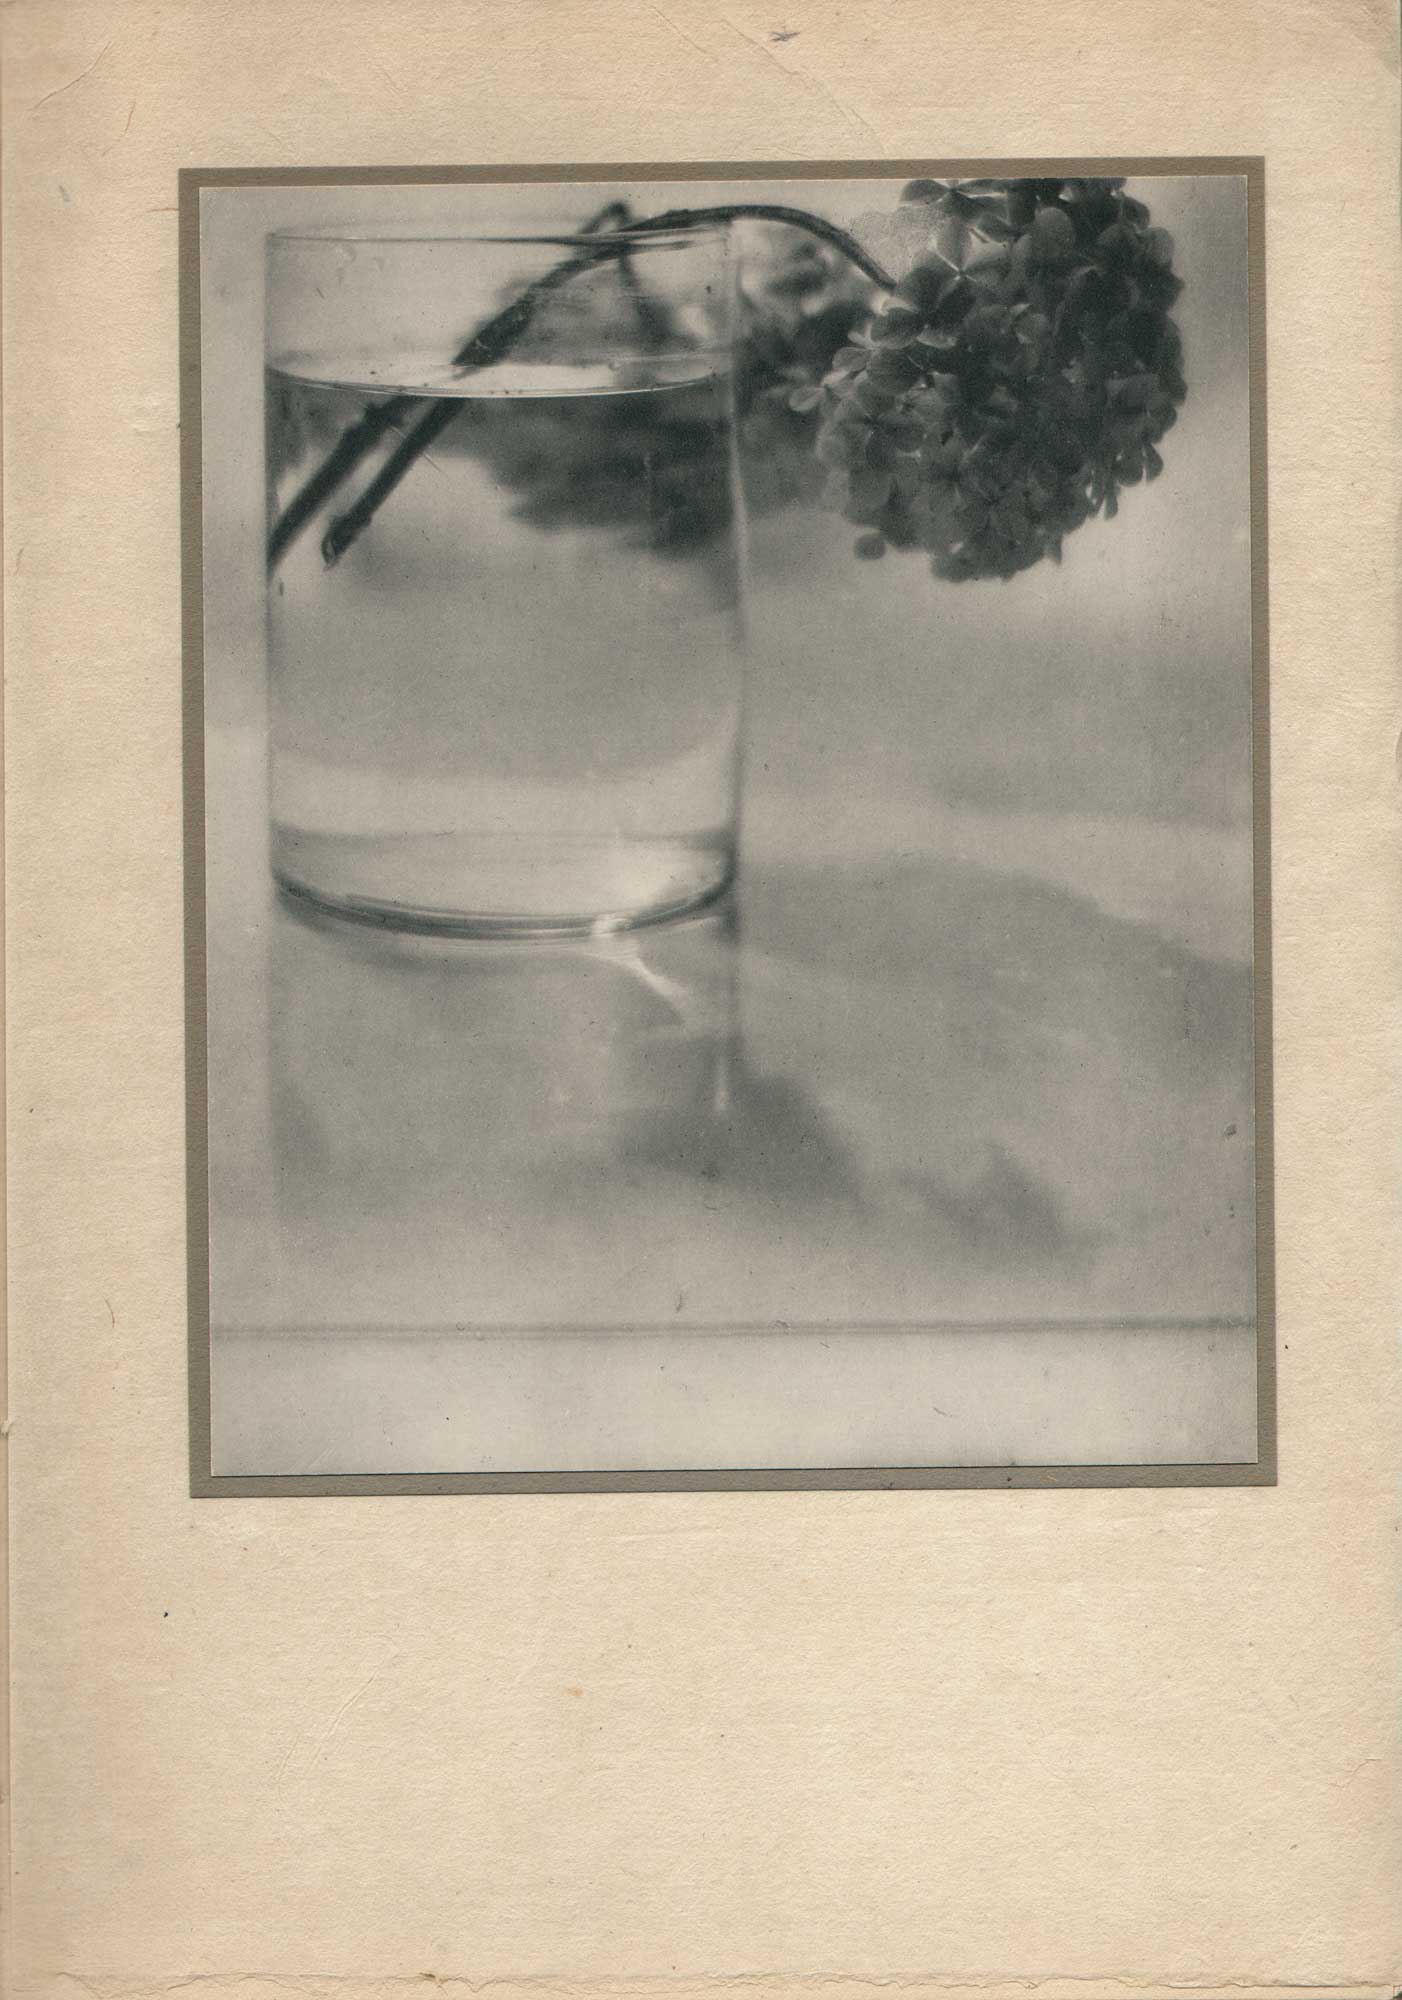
903	1093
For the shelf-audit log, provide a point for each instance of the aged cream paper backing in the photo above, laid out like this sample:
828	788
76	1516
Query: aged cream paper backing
1066	1743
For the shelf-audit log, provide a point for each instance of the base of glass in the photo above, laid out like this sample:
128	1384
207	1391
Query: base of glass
502	885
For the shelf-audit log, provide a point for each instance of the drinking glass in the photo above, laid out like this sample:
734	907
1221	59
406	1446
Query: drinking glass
505	576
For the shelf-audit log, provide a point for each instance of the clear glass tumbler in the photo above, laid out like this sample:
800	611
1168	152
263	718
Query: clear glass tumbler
505	577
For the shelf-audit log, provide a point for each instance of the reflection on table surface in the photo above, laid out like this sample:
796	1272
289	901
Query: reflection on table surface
904	1084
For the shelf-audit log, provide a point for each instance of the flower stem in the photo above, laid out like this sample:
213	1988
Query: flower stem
492	341
763	211
350	448
497	338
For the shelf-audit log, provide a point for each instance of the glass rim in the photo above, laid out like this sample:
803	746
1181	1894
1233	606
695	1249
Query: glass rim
371	234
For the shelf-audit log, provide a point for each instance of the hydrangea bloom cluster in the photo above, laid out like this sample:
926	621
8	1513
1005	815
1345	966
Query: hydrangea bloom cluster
1023	371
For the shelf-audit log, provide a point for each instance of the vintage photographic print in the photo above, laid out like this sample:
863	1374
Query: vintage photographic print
727	842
